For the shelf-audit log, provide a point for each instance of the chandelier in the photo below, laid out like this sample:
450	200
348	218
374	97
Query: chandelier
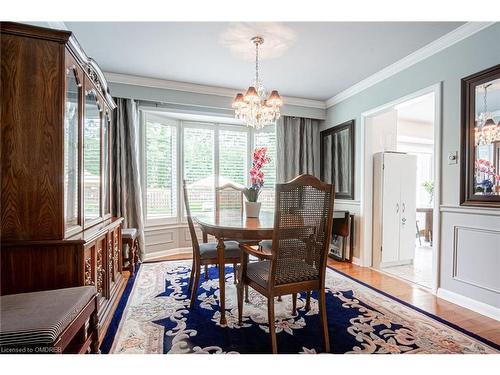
486	131
255	108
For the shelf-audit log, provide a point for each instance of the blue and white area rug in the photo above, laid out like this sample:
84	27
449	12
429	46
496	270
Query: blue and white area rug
154	317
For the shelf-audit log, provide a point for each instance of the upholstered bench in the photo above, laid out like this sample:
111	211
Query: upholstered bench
50	321
129	236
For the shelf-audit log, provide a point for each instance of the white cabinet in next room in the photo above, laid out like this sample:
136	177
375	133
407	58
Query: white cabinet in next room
394	208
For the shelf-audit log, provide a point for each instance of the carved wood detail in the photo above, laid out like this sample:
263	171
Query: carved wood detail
88	271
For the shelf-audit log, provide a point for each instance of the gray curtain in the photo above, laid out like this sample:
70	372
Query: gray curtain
297	147
342	156
127	191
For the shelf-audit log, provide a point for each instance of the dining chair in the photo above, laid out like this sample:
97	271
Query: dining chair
205	254
296	261
229	196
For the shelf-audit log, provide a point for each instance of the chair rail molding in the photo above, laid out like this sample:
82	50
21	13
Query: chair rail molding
447	40
468	210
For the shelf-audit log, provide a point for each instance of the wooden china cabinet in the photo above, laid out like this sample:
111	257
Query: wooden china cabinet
56	225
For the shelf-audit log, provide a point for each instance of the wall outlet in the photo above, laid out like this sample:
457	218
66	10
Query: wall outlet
452	157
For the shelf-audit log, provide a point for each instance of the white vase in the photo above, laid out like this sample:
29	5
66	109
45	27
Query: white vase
252	209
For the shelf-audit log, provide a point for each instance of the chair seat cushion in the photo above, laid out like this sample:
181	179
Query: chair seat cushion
209	250
296	271
40	317
130	233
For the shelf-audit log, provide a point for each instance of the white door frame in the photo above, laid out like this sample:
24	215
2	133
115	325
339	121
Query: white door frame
367	180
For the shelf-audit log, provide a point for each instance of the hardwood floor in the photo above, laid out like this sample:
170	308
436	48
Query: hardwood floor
425	300
415	295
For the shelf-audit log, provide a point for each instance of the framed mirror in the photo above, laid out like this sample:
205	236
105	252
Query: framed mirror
480	152
337	159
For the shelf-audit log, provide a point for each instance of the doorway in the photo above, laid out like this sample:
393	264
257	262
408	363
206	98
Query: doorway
409	127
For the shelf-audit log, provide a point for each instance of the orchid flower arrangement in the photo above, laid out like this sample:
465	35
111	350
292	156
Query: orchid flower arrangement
487	167
259	160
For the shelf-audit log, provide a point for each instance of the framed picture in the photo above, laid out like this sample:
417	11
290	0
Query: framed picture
480	146
337	159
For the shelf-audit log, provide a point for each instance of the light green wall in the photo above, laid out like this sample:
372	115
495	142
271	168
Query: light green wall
478	52
448	67
194	102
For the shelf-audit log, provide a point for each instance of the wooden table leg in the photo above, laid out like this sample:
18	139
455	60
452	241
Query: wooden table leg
222	280
428	225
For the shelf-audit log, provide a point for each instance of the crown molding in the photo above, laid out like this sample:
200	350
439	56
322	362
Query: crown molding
447	40
198	89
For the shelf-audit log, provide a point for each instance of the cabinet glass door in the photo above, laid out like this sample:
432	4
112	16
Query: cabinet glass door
92	157
105	165
71	151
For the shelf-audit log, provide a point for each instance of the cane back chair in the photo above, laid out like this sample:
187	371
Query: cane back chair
205	254
297	258
229	197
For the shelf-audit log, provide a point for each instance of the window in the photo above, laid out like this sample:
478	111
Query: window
205	155
199	168
425	174
267	138
161	167
233	156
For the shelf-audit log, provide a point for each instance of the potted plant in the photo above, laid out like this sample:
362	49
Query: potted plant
429	188
259	159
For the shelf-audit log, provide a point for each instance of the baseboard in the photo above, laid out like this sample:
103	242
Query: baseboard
164	253
356	261
469	303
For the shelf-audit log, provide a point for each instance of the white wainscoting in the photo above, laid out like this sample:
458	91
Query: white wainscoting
169	239
470	259
480	266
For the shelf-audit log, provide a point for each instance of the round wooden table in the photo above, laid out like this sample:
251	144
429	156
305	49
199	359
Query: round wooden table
232	225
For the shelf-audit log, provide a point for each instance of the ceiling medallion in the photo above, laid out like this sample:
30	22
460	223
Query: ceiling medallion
255	108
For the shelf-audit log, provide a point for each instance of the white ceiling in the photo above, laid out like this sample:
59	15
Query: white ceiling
314	60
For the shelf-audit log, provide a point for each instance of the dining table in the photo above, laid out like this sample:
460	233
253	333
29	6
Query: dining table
230	224
428	222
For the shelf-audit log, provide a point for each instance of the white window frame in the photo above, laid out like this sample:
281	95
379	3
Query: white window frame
249	133
151	222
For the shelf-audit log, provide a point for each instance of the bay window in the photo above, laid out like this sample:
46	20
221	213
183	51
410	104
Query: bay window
205	155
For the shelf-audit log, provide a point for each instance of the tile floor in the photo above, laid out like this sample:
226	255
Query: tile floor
420	272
